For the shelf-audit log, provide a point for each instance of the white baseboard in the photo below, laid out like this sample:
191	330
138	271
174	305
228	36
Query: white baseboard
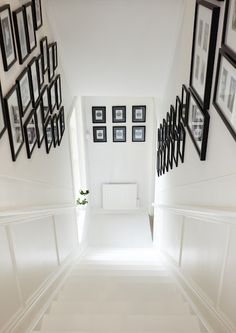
29	317
211	318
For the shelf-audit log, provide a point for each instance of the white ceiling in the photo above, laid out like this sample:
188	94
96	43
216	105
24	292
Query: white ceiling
116	47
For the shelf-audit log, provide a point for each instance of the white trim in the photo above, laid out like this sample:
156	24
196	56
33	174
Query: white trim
213	320
200	212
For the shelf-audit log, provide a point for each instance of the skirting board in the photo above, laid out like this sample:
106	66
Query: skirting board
28	318
213	320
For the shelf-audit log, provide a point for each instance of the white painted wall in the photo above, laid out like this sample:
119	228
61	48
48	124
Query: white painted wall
129	162
33	249
116	48
198	246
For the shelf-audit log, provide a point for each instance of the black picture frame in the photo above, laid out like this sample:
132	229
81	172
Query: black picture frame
34	81
39	60
52	96
198	125
203	52
30	132
44	52
182	140
169	152
175	147
8	48
139	113
55	55
98	114
51	71
138	133
14	122
45	103
40	123
55	130
48	133
25	96
229	34
99	134
3	126
185	103
119	134
31	35
62	123
225	91
178	110
37	14
173	118
58	91
119	114
19	20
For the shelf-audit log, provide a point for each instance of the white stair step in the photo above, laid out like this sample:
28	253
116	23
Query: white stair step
157	308
76	331
119	322
117	266
124	272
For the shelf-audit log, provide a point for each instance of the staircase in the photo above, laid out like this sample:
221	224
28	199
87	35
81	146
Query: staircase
122	295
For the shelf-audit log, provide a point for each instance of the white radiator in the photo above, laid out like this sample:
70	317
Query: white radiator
119	196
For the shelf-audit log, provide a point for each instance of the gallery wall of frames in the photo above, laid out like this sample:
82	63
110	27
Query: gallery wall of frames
119	132
31	111
191	110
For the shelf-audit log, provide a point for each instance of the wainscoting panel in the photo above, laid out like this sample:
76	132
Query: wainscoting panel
203	250
35	251
10	299
66	234
228	294
172	235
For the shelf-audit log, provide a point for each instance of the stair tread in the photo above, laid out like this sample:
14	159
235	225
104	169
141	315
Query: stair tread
180	323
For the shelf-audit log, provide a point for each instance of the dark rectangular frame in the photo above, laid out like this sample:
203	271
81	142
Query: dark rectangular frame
133	131
182	139
61	116
55	55
18	80
103	110
32	62
28	149
55	129
47	107
44	51
143	108
14	153
58	91
4	57
29	4
48	144
95	129
36	25
2	110
51	104
226	48
123	128
41	120
202	152
17	34
51	71
184	102
122	108
221	113
211	52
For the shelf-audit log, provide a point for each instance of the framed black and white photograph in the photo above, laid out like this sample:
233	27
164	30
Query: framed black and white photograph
55	130
158	163
203	50
184	102
48	132
198	125
44	52
6	38
61	128
99	134
19	20
40	123
2	118
99	114
139	113
58	91
52	96
119	134
175	147
159	137
225	92
14	123
169	152
178	109
37	12
45	103
23	83
50	62
173	118
34	81
138	133
119	114
30	131
55	55
181	138
32	42
40	71
229	29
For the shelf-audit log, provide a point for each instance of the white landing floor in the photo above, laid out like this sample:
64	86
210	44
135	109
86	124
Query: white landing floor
124	230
